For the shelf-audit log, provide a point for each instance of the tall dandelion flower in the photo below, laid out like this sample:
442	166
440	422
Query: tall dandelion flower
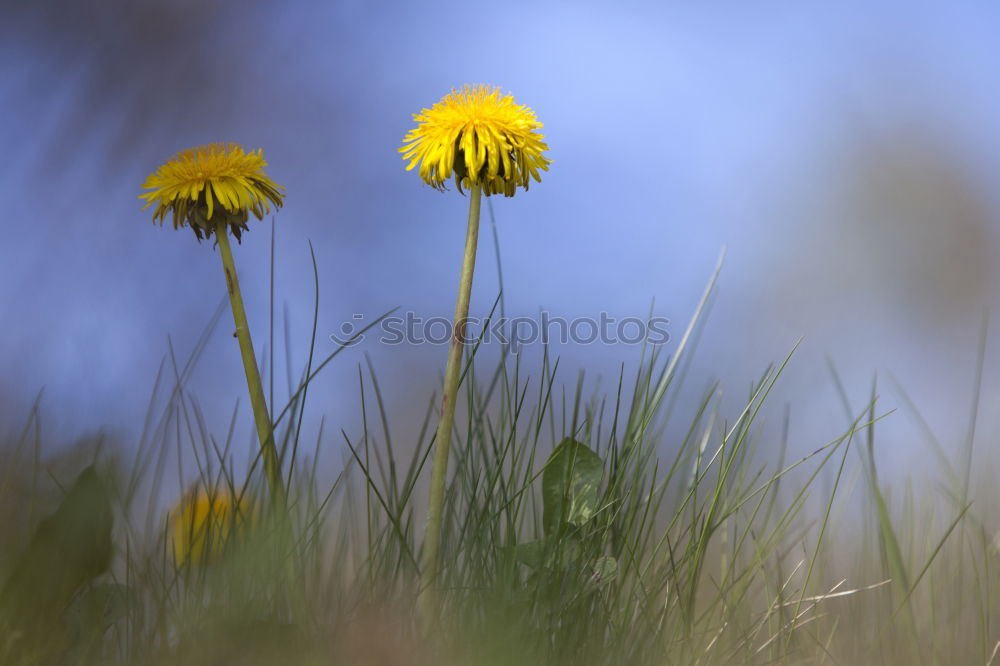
213	189
490	144
480	137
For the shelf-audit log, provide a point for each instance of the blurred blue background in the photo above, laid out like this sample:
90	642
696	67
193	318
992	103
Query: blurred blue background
846	154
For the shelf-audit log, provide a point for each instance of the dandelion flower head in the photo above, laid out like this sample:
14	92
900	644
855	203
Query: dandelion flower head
479	136
203	186
206	522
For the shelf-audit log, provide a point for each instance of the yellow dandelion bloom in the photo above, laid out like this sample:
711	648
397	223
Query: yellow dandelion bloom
482	137
206	522
205	185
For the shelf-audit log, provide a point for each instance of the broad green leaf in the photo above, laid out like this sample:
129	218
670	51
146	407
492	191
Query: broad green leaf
570	485
97	607
604	570
531	553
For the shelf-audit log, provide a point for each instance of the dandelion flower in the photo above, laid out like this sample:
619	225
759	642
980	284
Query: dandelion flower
213	184
206	522
489	144
214	188
480	137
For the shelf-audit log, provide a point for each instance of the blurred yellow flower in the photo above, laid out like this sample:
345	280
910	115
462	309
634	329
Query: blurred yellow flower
206	522
211	184
479	135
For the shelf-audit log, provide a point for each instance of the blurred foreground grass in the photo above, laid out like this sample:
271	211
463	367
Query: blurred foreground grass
574	533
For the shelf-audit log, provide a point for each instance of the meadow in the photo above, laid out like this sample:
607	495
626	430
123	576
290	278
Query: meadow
573	534
527	521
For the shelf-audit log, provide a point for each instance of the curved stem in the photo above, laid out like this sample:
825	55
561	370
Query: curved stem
257	401
442	440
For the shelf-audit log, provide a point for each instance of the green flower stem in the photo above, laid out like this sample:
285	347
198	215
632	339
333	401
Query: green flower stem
442	441
257	401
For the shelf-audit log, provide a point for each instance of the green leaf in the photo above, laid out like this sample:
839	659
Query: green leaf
531	553
570	485
604	570
97	608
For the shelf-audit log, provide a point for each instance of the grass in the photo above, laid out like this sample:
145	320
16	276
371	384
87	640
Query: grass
577	529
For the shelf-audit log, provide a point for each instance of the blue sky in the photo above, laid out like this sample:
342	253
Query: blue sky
844	153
